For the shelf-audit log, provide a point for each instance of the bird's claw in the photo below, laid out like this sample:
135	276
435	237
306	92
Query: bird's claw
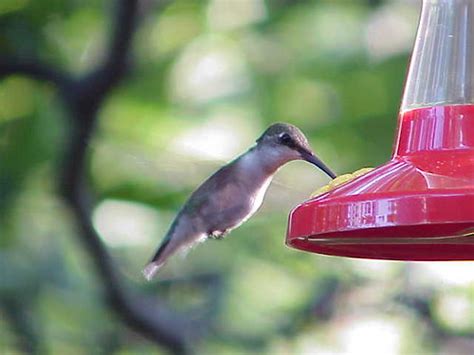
217	235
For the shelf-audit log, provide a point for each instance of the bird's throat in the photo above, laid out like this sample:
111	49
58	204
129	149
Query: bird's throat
261	163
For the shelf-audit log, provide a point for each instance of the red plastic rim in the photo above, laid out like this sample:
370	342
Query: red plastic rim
418	206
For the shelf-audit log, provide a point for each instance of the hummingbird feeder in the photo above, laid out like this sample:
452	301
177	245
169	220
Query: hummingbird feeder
420	204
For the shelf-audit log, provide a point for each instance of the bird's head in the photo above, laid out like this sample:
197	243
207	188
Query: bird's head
289	143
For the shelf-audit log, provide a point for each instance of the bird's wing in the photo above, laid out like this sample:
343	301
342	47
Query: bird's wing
211	192
218	201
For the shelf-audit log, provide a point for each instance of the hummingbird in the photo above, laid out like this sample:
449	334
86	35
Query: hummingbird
234	193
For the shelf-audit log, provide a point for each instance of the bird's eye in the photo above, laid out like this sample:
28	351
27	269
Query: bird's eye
285	139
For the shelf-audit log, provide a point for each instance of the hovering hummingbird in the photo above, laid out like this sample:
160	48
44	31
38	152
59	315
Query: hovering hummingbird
234	193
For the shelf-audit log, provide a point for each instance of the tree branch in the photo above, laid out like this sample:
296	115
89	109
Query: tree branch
18	314
82	98
33	69
156	323
96	85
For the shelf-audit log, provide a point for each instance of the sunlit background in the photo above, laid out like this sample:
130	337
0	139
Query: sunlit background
207	78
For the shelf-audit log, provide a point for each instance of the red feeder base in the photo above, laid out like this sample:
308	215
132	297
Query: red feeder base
418	206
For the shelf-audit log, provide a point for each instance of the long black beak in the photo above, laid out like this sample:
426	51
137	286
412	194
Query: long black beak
313	159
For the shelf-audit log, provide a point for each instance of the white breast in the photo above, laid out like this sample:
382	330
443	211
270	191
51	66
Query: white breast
257	199
252	164
260	194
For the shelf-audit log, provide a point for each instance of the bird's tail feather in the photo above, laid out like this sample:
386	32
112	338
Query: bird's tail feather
151	269
155	264
169	247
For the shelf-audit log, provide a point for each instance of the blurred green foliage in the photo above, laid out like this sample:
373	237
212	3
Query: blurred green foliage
207	78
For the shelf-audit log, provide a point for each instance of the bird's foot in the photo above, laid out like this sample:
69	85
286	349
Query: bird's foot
218	235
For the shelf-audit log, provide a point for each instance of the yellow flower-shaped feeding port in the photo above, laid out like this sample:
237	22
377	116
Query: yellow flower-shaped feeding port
341	179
